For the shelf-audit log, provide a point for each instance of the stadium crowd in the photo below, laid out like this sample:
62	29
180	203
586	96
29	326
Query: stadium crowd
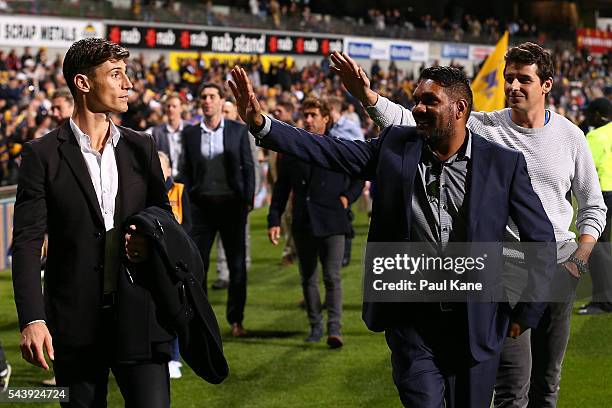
28	81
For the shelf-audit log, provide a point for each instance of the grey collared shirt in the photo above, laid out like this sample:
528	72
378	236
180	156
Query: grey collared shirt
439	207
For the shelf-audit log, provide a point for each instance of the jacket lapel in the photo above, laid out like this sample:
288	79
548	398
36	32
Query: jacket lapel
412	156
481	163
70	149
123	158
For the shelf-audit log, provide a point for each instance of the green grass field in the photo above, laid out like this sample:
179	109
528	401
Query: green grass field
275	368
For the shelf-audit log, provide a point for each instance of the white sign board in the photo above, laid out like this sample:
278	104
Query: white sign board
22	31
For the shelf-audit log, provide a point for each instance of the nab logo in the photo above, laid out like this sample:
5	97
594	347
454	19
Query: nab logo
151	38
299	45
185	42
273	44
491	80
325	47
114	35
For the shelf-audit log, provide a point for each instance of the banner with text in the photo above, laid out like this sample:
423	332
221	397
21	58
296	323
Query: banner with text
378	49
23	31
596	41
221	41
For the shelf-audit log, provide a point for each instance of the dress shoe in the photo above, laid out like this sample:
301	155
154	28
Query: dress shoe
334	337
238	330
287	260
334	341
316	334
220	284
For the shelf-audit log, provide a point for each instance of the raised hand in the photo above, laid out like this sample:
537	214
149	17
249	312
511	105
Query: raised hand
246	101
354	78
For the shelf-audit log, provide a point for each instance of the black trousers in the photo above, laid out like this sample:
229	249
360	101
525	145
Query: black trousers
600	263
432	365
84	370
228	218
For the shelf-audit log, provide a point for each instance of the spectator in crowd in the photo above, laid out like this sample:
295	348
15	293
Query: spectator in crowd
222	282
219	174
599	116
167	135
321	199
62	104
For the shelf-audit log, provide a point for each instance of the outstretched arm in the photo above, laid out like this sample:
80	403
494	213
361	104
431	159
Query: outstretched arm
380	109
355	158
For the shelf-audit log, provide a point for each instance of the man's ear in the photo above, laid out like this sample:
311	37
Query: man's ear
462	108
82	83
547	85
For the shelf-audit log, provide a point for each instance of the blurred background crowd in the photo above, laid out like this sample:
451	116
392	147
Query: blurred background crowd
28	80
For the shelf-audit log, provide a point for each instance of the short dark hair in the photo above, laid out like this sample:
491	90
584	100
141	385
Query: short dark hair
85	55
218	87
312	102
454	81
529	53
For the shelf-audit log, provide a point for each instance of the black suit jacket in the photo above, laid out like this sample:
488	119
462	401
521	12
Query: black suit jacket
316	198
237	156
55	195
499	187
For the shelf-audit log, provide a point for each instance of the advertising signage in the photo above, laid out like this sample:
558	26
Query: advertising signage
596	41
46	32
382	49
222	41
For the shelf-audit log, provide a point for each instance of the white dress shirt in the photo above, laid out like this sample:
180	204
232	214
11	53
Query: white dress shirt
102	169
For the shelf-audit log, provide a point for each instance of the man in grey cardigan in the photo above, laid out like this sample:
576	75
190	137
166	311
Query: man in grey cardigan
559	163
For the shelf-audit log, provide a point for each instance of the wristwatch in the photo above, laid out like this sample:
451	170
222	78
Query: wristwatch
580	264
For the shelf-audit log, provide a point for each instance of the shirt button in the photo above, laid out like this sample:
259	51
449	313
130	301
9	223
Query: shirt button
445	229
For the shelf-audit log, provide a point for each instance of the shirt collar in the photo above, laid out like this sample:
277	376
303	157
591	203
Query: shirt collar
207	130
180	128
114	139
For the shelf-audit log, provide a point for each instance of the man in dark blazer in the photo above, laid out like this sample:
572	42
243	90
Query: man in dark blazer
321	200
218	171
442	355
79	183
167	136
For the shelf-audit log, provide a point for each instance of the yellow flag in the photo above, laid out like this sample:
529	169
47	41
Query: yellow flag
488	86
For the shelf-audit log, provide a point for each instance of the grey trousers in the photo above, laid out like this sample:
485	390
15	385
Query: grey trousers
530	366
330	251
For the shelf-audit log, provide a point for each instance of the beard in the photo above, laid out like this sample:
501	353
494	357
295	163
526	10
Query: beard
437	136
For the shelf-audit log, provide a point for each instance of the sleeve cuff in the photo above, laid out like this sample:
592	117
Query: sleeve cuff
379	107
590	230
261	133
34	321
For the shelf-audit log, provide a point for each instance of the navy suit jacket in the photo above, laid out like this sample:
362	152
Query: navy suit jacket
316	198
237	156
499	187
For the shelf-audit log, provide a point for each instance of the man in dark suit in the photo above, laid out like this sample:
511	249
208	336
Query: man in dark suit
218	171
437	183
79	183
167	136
321	200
